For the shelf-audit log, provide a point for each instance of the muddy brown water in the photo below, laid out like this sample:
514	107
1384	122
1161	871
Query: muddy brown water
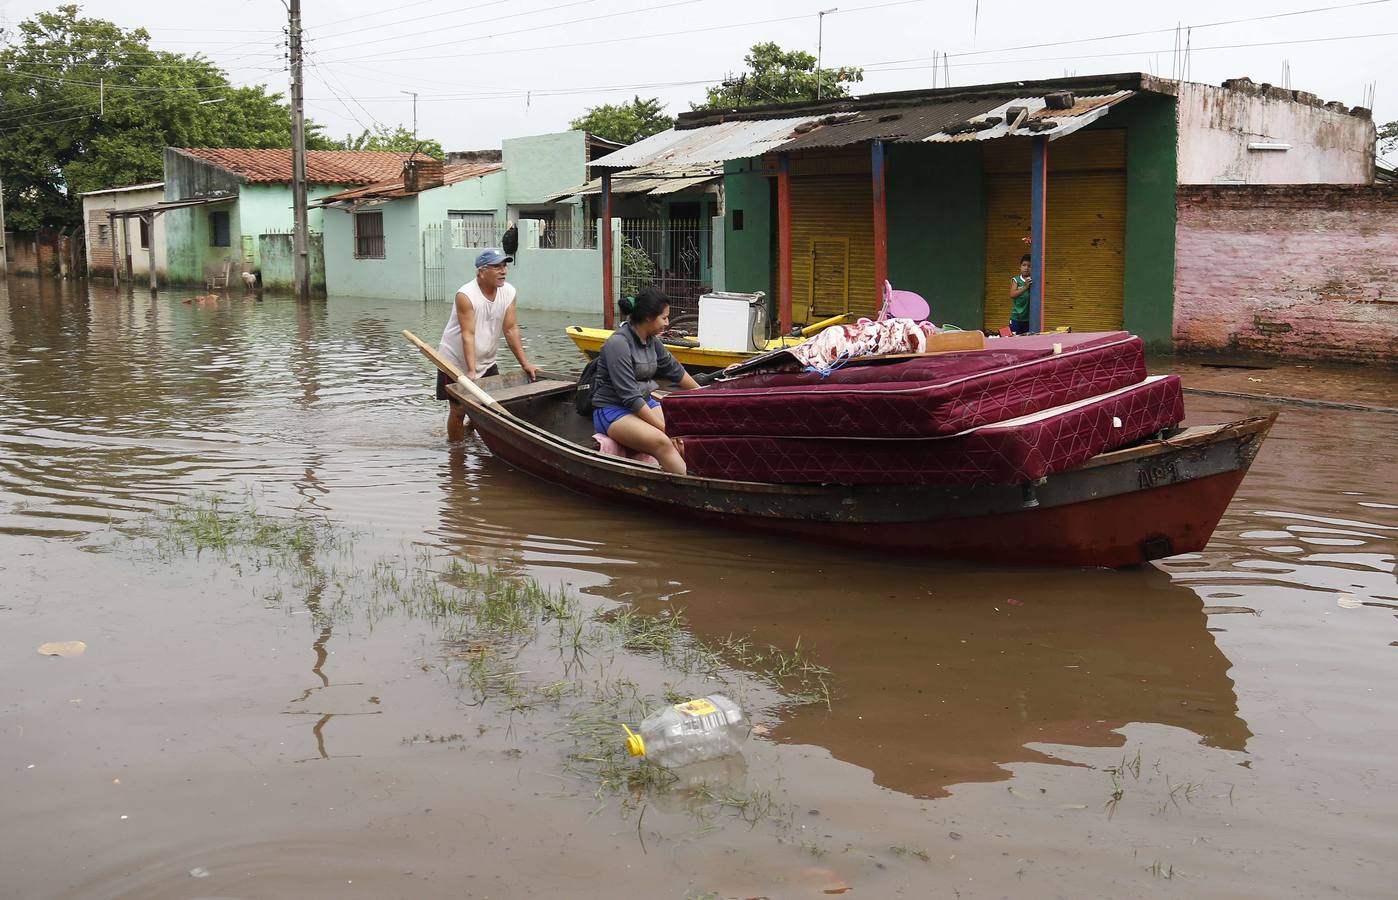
1217	725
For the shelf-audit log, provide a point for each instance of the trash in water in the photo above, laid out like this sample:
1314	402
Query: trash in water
1229	610
199	872
704	728
63	648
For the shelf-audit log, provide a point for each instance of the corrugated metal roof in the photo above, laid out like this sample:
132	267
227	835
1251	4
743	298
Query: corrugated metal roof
709	144
1053	123
648	180
394	189
905	123
920	122
273	166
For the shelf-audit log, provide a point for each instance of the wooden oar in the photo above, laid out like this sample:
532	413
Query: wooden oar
455	374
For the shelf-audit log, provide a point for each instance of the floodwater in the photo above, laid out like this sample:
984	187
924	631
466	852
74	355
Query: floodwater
1217	725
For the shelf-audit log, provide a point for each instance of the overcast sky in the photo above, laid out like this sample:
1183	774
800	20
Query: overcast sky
488	70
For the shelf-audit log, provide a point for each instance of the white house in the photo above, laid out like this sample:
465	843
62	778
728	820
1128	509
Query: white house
105	240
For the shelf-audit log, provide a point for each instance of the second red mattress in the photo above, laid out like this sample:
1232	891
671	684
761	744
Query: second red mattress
1021	449
926	397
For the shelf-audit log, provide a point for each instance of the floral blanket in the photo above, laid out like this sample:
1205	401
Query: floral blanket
839	343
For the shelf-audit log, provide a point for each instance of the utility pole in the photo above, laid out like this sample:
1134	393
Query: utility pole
820	41
414	96
301	261
4	266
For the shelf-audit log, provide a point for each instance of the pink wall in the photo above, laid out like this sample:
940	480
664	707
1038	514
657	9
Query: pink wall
1293	271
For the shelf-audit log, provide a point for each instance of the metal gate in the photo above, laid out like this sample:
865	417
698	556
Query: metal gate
434	264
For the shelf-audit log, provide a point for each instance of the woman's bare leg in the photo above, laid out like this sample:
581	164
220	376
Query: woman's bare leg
634	432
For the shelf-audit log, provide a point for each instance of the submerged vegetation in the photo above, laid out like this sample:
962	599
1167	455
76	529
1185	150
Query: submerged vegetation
513	644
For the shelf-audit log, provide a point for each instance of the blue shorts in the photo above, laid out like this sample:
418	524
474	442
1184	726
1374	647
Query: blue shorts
604	416
1019	326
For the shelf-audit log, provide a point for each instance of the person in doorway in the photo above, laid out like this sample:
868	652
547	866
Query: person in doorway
484	311
1019	297
622	406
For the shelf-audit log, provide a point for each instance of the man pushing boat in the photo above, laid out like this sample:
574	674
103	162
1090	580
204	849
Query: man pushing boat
483	312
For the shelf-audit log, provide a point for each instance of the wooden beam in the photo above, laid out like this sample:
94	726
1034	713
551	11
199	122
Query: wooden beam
126	246
608	289
112	246
880	221
784	243
1038	226
149	220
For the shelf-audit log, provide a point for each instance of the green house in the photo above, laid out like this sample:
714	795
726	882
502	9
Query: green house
238	215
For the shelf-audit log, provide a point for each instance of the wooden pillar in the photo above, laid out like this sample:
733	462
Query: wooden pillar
126	246
880	222
112	245
784	243
608	289
149	219
1038	226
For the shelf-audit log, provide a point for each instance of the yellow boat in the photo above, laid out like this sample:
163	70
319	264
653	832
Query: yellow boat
692	356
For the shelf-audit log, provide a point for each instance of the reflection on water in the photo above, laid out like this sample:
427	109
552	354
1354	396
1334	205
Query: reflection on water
944	675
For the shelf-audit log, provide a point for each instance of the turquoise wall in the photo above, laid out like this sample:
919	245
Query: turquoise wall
541	165
936	228
562	280
749	254
277	255
397	276
188	242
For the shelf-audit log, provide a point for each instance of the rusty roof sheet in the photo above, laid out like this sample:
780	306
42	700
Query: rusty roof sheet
708	144
652	179
897	123
1052	123
394	188
273	166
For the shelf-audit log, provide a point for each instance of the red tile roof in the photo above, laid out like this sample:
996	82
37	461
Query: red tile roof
393	189
322	166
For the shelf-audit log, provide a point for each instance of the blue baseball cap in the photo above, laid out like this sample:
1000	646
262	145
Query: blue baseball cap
492	257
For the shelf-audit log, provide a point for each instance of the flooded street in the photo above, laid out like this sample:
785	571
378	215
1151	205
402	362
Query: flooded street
260	723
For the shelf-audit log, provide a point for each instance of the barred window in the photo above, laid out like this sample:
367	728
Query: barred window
368	235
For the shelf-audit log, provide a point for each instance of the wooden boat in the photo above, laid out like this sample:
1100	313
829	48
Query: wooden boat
697	359
1121	508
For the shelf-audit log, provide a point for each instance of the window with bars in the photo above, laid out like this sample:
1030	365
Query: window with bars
368	235
104	235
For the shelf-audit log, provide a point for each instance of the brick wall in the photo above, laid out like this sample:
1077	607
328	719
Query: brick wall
100	251
1292	271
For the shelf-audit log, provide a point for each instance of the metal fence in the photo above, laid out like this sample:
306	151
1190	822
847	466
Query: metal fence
675	255
472	230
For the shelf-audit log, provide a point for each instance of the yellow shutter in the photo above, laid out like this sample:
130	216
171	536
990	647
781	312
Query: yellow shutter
1086	238
832	238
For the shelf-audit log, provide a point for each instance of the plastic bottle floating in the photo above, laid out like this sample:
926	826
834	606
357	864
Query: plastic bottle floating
705	728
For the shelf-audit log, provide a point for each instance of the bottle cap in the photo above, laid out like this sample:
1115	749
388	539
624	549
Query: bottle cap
635	744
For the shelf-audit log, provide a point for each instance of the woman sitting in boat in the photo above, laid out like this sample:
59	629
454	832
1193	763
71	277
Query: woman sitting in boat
622	406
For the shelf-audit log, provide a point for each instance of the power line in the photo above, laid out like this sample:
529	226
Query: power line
385	12
637	37
402	21
882	67
1126	34
531	28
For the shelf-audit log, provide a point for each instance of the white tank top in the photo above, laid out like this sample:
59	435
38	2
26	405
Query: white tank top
490	325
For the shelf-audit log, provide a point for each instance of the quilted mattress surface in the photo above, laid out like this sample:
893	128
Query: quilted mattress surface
1020	449
930	396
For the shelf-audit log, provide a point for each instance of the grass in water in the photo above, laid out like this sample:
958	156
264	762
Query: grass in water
489	621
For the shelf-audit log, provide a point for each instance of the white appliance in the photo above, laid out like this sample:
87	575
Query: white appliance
733	321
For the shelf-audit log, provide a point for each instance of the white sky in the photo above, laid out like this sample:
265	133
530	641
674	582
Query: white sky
488	70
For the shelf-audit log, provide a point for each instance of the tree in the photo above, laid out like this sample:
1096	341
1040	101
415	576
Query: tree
626	123
399	138
774	75
1388	137
86	105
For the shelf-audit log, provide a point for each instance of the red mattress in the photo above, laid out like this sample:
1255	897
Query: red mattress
929	396
1016	450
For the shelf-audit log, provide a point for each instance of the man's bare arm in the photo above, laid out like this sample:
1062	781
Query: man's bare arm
466	315
515	343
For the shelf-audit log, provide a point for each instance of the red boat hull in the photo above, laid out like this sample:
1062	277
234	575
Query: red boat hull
1118	509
